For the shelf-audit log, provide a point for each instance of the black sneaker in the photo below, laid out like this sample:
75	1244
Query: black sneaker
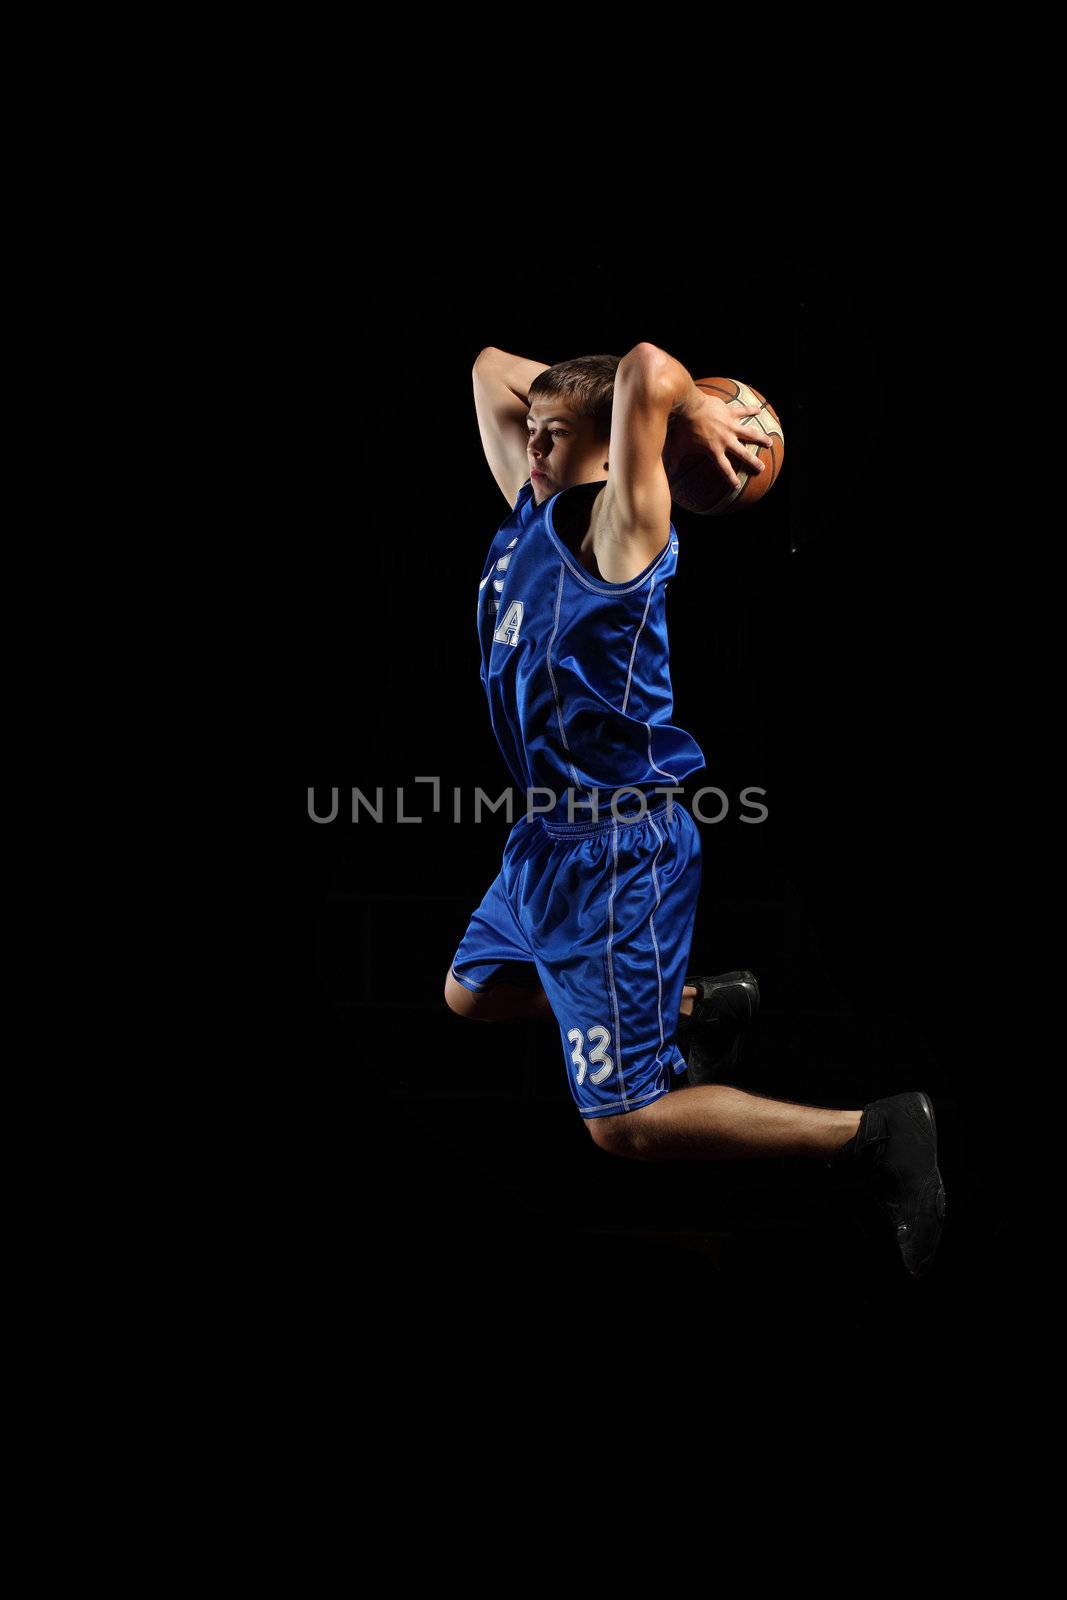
710	1038
894	1151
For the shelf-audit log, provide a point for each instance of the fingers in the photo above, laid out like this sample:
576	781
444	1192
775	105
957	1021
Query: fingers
745	438
750	461
750	464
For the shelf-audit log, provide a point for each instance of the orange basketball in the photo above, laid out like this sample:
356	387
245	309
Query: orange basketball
696	479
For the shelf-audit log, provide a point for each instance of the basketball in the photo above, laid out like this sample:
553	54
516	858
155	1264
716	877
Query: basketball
696	479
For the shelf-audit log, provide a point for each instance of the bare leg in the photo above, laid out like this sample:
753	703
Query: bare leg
508	1000
710	1122
499	1004
713	1122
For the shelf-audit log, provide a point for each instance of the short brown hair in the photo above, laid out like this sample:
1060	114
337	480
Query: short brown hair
587	384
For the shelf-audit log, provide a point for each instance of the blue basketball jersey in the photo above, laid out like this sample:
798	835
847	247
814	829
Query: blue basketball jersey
576	669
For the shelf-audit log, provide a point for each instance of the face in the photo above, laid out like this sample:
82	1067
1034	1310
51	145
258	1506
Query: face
561	448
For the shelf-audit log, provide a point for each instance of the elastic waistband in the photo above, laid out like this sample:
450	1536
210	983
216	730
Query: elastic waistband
571	830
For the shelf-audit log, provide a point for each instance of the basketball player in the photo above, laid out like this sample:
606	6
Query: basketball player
590	918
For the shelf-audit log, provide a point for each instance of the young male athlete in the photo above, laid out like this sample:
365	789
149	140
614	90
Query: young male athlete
590	918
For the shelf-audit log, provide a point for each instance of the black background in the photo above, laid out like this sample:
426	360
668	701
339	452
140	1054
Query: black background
822	648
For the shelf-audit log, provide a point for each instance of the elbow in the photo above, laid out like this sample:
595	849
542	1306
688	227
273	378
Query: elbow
646	370
483	357
646	358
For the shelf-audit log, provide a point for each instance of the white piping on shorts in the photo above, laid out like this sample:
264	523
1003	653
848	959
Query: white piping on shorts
609	1111
611	970
655	942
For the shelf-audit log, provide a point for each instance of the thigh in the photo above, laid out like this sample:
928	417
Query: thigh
610	917
494	951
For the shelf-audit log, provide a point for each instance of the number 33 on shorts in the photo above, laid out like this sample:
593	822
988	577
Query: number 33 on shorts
598	1037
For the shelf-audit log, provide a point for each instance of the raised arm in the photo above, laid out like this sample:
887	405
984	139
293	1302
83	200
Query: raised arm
501	400
651	390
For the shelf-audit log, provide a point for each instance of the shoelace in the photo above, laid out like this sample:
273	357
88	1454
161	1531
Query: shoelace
883	1184
702	1015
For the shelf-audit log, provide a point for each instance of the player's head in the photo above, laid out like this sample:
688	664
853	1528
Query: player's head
569	423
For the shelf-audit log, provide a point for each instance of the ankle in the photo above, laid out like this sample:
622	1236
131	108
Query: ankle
845	1139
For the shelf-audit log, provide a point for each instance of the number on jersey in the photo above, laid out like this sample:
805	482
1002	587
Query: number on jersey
598	1037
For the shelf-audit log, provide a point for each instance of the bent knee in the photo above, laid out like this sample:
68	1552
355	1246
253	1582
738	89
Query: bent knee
623	1135
464	1002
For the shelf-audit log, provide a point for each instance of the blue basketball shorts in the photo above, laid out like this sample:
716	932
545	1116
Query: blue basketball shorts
602	914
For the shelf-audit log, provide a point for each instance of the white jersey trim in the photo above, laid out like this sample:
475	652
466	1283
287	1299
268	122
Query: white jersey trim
637	635
583	577
552	679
